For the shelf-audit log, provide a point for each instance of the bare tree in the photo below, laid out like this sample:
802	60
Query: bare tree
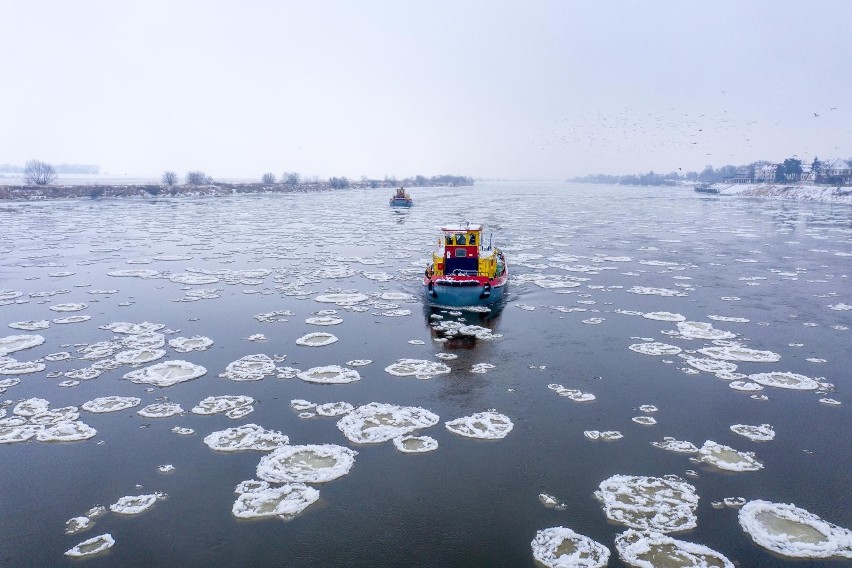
169	178
198	178
268	178
39	173
291	178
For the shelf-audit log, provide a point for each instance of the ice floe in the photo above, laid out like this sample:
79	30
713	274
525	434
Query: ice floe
77	525
245	437
311	463
187	344
167	373
604	436
702	330
727	458
574	394
330	375
13	343
224	403
72	319
30	325
111	403
655	348
129	328
745	386
792	381
161	410
415	444
489	425
737	352
342	299
762	433
69	307
678	446
9	366
664	316
316	339
135	504
139	356
257	501
377	422
649	291
420	368
455	329
551	502
656	550
74	431
560	547
663	504
249	368
644	420
324	320
92	546
334	409
793	532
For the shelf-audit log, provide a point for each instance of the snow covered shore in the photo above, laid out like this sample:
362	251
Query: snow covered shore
802	191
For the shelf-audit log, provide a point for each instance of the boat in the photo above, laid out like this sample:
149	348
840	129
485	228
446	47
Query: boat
706	188
464	270
401	199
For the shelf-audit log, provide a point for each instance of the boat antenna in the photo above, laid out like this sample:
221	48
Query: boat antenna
490	236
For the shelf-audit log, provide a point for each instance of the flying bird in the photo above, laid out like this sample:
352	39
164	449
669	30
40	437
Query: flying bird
815	114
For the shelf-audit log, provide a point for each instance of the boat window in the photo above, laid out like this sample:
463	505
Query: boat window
448	239
461	252
472	240
460	239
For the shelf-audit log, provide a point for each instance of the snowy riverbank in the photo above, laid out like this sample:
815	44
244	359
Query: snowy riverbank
807	192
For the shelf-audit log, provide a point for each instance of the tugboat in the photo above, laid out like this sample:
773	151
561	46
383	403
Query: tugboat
401	199
464	271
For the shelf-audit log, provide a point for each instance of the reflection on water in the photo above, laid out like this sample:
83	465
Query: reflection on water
732	291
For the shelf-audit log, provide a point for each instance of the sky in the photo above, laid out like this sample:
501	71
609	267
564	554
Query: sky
489	89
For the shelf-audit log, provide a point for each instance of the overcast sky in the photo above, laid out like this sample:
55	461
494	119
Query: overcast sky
532	89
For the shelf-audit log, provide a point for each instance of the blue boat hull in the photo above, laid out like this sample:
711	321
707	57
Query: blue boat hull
457	296
401	202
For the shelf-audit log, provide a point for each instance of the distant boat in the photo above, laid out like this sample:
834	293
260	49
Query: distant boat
401	199
706	188
463	271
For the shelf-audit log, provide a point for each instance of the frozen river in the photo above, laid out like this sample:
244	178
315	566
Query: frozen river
640	327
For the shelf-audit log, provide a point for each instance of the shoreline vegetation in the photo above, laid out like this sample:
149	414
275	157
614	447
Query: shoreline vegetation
212	189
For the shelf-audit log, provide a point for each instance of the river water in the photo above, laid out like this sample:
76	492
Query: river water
587	264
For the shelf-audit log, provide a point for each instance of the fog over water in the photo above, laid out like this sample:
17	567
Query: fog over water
208	367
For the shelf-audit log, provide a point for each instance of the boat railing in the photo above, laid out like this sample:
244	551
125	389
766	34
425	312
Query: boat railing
460	272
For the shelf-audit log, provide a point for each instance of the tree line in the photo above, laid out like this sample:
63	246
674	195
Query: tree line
37	172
